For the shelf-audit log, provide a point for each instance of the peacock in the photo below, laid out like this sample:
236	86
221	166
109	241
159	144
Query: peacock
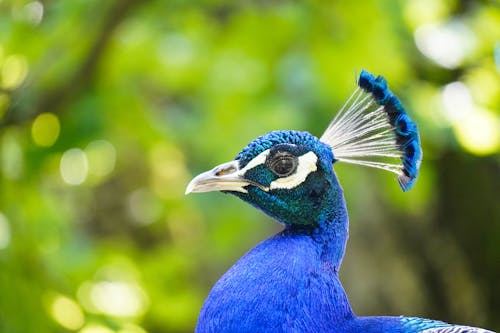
290	282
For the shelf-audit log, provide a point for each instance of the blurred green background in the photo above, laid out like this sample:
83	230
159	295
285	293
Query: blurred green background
108	108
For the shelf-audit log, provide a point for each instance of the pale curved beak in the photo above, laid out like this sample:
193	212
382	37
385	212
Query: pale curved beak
224	177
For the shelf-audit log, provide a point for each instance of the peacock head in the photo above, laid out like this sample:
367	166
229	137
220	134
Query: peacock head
289	174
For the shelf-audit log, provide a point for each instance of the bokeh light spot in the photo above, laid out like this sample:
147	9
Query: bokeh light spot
479	132
116	298
447	45
74	166
67	313
96	328
101	155
33	12
484	84
457	101
4	232
45	129
14	71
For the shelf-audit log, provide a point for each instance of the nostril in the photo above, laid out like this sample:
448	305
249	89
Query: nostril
225	171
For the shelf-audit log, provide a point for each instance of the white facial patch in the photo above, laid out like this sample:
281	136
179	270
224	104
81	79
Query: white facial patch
306	165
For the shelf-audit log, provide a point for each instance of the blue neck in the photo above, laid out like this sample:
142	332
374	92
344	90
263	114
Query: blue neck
329	234
330	231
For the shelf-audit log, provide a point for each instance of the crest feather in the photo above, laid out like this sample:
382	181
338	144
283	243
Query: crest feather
373	127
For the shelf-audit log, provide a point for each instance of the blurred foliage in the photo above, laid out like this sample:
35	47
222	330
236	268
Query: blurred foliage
108	108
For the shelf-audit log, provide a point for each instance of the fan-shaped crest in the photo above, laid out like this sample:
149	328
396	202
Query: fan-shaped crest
373	127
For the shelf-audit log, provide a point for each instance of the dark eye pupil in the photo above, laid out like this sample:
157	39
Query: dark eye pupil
282	164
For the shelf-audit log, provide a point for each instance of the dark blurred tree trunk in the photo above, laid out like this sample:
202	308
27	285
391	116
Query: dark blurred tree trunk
463	232
469	210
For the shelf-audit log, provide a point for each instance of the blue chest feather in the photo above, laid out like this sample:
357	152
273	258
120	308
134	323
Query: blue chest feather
284	284
280	285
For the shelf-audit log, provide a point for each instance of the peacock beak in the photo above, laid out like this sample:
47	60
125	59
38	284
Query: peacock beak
224	177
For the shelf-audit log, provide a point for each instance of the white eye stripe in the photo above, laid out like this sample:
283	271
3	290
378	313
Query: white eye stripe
306	165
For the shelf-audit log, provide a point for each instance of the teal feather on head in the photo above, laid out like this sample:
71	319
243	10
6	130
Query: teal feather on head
406	131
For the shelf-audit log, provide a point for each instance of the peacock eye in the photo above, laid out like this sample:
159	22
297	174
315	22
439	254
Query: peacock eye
282	163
